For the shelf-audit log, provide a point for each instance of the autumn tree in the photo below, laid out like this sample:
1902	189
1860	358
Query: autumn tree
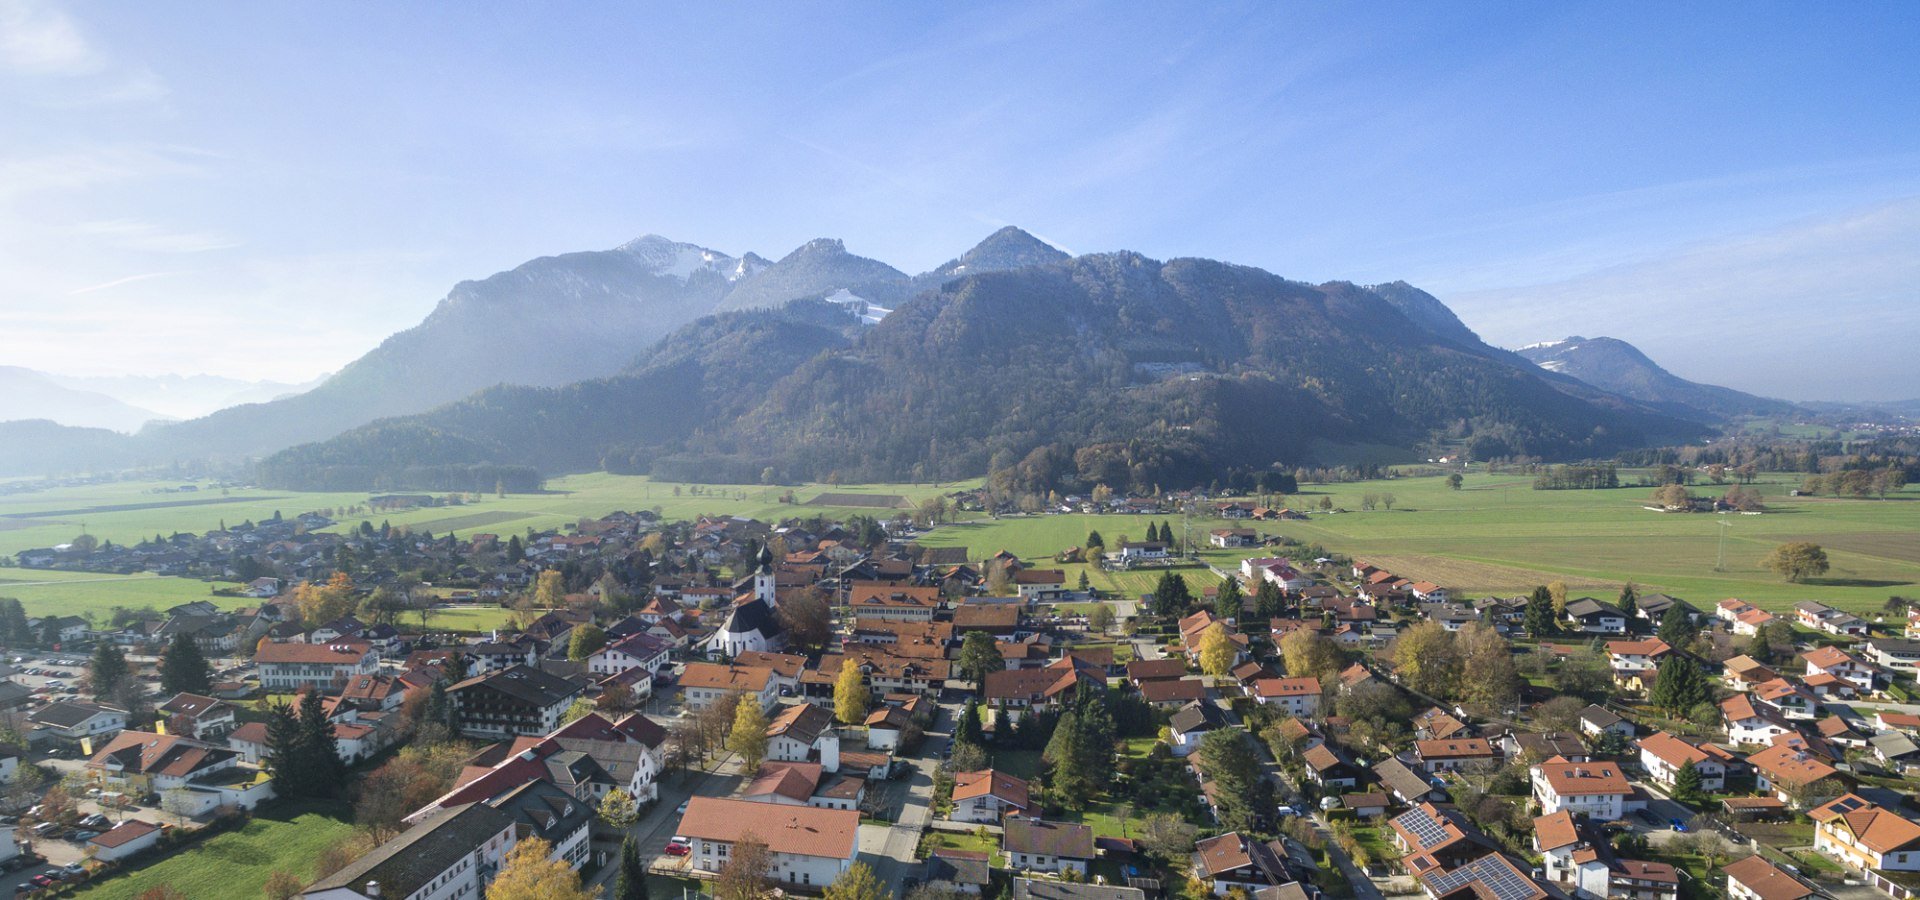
619	809
857	883
1217	651
1488	676
528	873
850	694
1309	653
1424	656
748	874
587	640
1557	590
1796	561
323	603
749	735
549	590
807	618
1100	618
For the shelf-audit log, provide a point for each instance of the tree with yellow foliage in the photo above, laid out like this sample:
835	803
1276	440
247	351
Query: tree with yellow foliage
323	603
529	874
1217	651
749	735
550	590
850	695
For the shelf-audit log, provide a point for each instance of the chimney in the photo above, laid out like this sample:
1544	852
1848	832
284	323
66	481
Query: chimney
373	889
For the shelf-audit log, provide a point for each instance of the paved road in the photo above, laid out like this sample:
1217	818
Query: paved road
1363	886
890	849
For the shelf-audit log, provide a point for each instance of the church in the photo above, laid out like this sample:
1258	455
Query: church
751	624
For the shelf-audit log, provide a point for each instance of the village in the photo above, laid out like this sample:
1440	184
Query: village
734	705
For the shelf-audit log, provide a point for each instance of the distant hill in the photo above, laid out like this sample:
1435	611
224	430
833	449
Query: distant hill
1109	368
1617	366
183	396
27	394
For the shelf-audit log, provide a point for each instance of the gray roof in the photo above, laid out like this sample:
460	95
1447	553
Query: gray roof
544	811
956	869
1035	889
68	713
1587	606
1600	717
1402	780
523	683
1064	839
1893	745
1197	715
402	865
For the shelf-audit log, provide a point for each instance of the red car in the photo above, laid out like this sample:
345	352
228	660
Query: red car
677	847
43	881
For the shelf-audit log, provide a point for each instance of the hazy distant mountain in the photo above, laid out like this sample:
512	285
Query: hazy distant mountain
27	394
819	267
1617	366
1008	248
183	396
1107	368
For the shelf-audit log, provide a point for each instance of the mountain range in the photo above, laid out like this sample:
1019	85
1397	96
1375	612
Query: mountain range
682	361
1614	365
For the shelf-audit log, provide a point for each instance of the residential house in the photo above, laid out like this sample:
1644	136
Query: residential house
1237	862
635	651
1192	723
1591	616
1743	672
987	796
1596	789
70	723
803	732
202	718
1299	697
1842	665
703	683
1865	836
1663	754
1329	768
1788	771
1822	617
1598	720
1407	785
1748	722
449	856
1757	878
143	761
1790	700
286	668
1454	753
1894	653
1047	846
1633	662
810	846
518	701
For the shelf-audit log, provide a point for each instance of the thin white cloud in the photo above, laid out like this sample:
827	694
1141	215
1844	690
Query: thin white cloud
37	39
145	236
130	279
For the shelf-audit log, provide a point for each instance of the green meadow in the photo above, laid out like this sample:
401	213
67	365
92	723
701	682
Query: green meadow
1496	536
1499	536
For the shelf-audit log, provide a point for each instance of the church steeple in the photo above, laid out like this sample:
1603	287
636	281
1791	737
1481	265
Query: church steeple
763	582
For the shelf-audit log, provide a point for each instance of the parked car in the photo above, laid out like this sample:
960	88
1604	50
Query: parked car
73	868
678	846
96	821
1678	825
680	810
1287	811
43	880
85	835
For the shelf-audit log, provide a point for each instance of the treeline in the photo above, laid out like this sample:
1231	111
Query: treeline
1771	454
1578	478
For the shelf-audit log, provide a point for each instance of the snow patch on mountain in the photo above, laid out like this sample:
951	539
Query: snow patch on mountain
869	313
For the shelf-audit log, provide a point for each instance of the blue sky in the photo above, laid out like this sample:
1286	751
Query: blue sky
267	190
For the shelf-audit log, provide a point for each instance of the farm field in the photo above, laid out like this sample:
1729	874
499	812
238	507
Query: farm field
128	512
83	593
235	865
1499	536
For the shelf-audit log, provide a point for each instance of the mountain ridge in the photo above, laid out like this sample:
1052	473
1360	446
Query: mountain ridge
1619	367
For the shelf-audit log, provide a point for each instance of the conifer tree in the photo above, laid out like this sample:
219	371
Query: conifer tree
107	670
184	670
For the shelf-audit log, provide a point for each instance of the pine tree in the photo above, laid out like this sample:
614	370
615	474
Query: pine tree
184	670
107	670
1227	601
1687	786
1676	627
631	881
319	751
1630	602
968	729
1679	685
291	777
1268	602
1095	540
1171	597
1538	614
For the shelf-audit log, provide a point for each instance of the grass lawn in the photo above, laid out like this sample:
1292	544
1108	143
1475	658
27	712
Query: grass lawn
1018	763
472	620
951	840
1137	746
80	593
235	865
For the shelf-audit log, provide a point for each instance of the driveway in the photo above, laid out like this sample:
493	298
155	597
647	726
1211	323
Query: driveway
889	849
